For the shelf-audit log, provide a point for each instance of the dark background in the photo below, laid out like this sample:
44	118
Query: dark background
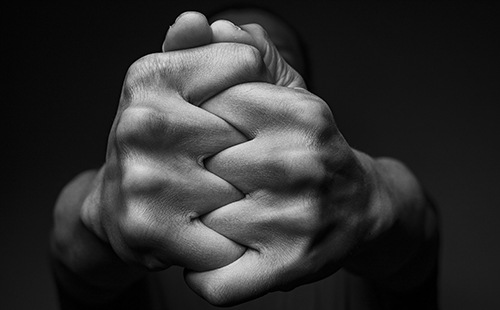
416	81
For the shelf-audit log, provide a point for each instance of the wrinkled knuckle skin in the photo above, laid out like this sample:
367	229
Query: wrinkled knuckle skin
141	69
147	74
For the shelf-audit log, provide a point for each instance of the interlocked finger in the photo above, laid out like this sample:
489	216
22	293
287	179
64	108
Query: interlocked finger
256	108
194	74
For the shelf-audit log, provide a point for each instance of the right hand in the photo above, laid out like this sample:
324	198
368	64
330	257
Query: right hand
148	197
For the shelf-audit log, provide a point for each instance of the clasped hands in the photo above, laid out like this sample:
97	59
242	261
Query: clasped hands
220	161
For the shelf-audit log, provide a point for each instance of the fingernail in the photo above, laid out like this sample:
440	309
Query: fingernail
236	27
232	24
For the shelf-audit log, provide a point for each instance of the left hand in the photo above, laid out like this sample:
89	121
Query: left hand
309	198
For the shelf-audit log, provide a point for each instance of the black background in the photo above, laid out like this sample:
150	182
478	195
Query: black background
416	81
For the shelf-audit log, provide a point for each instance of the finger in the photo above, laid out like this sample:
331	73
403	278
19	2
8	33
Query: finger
193	74
262	220
277	233
171	189
248	166
283	125
277	165
160	223
258	108
190	29
190	244
175	143
196	247
159	226
254	35
220	288
175	128
180	188
253	275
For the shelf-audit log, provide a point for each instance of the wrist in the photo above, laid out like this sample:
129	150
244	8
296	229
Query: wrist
403	253
83	264
89	212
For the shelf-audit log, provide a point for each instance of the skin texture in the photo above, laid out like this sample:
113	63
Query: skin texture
220	161
155	185
282	37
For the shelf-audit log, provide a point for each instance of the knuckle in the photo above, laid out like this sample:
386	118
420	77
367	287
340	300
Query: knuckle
141	68
215	293
316	111
273	166
304	169
135	224
146	74
139	238
250	59
141	126
143	225
316	119
140	179
324	132
295	168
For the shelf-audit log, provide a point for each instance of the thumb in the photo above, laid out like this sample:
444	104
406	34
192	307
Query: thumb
253	34
190	29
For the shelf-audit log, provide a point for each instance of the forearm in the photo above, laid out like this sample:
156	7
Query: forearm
87	271
405	257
